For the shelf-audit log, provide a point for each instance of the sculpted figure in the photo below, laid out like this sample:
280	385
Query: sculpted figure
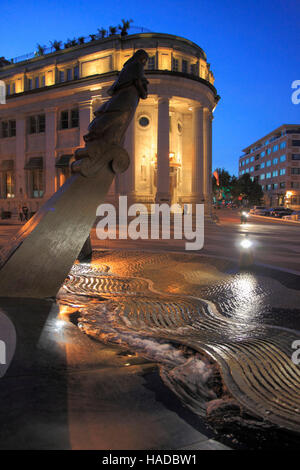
106	132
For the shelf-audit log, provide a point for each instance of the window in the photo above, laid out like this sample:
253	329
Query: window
268	187
282	184
8	128
262	165
36	183
295	185
76	72
69	74
7	184
275	148
275	173
36	82
8	89
295	143
69	119
64	120
151	63
268	175
268	163
36	124
12	128
194	70
283	145
257	167
262	176
295	171
268	151
74	118
184	66
243	163
175	65
61	76
43	81
296	156
29	83
275	186
262	154
256	157
275	161
282	171
282	158
252	168
247	161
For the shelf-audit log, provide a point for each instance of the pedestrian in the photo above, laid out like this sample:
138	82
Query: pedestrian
25	212
20	213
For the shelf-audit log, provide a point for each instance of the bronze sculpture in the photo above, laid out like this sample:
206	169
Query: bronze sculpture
105	138
40	256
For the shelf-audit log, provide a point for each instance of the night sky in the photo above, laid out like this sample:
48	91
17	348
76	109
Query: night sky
253	47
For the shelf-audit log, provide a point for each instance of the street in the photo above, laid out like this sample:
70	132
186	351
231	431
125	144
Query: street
275	243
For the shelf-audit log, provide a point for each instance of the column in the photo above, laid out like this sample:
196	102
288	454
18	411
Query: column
85	108
20	180
207	171
198	134
163	164
128	178
51	138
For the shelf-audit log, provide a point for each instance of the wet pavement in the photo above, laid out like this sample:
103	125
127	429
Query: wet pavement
222	337
161	350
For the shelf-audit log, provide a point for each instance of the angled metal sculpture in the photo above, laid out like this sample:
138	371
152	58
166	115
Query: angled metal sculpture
40	256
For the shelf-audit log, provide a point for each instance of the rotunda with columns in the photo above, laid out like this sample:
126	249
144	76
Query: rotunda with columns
51	100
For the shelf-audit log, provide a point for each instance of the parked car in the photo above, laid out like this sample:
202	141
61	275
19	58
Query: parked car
279	212
295	215
258	210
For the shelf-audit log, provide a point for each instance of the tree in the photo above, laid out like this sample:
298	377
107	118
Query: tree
125	26
249	191
71	43
112	30
40	49
81	40
56	45
102	33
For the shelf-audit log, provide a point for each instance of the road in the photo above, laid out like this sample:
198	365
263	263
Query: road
274	243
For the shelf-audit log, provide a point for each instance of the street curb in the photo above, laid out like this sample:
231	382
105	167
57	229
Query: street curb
273	219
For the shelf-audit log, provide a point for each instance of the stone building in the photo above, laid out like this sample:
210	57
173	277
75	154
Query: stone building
50	101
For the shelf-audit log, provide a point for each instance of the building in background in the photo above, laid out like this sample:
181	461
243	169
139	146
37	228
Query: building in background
274	161
50	102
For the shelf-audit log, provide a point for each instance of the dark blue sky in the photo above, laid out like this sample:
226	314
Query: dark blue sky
253	47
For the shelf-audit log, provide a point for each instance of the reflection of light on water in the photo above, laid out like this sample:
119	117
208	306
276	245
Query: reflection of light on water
244	286
59	324
244	293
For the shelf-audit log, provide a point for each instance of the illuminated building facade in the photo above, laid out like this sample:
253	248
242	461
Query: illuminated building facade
274	162
50	102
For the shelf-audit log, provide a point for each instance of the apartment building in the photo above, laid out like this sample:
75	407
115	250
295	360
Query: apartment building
274	162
